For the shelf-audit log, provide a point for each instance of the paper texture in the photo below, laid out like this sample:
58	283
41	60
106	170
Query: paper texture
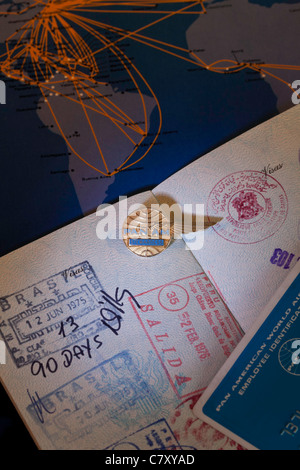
98	356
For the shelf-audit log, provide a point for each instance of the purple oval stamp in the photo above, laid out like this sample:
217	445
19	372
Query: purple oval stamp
252	205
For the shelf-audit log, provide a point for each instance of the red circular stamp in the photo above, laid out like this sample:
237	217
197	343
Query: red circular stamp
252	205
173	297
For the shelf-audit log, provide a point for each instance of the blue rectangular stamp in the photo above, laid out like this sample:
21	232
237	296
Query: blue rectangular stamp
30	319
255	397
155	436
117	394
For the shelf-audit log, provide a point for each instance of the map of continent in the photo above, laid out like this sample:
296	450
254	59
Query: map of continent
110	98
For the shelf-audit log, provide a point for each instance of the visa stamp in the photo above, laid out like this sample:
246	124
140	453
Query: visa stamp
147	232
188	428
155	436
117	394
188	326
30	319
252	205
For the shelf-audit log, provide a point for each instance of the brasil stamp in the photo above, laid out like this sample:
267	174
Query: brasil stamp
30	319
253	206
190	329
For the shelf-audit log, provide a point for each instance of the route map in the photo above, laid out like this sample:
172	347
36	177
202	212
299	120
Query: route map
109	98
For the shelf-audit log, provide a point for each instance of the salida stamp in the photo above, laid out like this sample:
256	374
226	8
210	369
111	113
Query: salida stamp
253	205
115	394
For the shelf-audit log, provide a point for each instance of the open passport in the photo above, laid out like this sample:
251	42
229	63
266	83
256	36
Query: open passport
108	350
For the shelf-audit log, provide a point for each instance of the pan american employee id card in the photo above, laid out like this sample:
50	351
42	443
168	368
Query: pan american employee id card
254	398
